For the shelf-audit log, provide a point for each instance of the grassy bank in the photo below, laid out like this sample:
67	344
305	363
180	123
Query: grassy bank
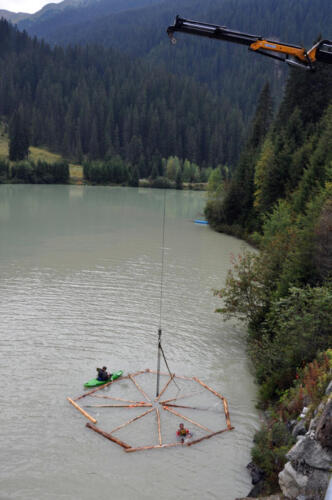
42	155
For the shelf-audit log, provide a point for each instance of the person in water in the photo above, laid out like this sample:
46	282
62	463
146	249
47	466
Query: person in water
182	432
102	374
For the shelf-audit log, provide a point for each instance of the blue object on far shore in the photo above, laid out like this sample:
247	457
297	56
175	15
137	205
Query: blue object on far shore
199	221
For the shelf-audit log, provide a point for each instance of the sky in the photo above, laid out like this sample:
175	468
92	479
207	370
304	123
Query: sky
29	6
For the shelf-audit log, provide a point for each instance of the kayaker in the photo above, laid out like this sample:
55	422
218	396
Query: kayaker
102	374
182	432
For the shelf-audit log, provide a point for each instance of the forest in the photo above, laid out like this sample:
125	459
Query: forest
280	199
95	103
140	33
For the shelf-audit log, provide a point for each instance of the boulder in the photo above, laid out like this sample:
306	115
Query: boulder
299	429
291	482
308	453
329	389
324	427
256	472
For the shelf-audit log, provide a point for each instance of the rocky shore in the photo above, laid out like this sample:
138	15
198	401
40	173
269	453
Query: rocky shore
306	474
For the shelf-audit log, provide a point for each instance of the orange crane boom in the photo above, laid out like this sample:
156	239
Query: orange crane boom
293	55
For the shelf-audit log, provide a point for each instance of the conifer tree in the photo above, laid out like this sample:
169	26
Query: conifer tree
18	137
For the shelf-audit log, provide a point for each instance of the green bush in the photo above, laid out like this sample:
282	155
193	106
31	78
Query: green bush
4	170
294	331
271	444
28	172
161	183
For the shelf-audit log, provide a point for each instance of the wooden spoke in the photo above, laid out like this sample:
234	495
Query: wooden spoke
180	397
188	407
159	426
132	420
164	389
117	399
186	418
144	405
139	388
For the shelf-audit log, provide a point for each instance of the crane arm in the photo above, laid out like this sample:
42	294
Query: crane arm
292	54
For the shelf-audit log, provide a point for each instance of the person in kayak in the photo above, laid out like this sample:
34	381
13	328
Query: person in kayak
182	432
102	374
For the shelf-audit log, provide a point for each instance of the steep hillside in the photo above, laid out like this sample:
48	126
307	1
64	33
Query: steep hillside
96	103
228	70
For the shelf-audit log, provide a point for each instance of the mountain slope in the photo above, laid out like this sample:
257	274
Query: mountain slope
227	69
68	15
92	102
13	17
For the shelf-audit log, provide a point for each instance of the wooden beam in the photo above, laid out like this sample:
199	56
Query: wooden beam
186	418
180	397
228	419
117	399
188	407
139	388
154	447
190	443
164	389
159	426
132	420
209	388
145	405
109	436
82	411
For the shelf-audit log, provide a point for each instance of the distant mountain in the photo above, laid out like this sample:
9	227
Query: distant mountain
13	17
69	14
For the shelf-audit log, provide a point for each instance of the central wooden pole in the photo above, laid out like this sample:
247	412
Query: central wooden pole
158	362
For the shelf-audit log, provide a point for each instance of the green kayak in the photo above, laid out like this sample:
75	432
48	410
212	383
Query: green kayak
94	382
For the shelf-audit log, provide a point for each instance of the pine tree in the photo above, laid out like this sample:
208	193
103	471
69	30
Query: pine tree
18	137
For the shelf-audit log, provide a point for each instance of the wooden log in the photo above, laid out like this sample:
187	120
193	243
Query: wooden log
186	418
164	389
82	411
145	405
132	420
228	419
139	388
159	426
118	399
153	447
190	443
109	436
209	388
188	407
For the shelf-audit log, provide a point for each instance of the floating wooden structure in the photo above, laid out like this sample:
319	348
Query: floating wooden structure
153	405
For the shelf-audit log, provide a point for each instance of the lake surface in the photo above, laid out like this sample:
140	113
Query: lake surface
80	275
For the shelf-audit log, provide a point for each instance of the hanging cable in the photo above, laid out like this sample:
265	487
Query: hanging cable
160	349
162	263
